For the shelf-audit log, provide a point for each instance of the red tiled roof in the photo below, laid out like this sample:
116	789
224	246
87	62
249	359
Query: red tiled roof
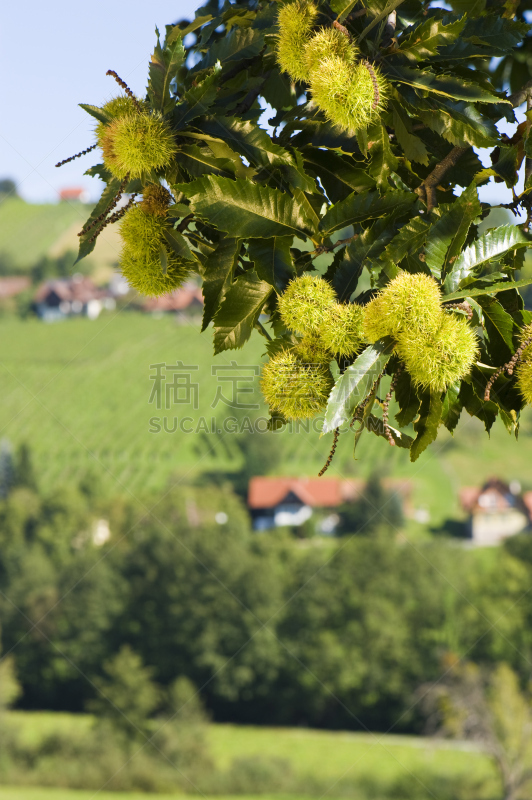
11	286
178	300
267	492
71	193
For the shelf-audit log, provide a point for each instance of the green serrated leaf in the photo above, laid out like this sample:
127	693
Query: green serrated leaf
164	66
199	161
488	247
363	207
197	101
408	243
499	327
508	164
364	251
356	383
425	41
238	44
107	197
217	272
273	260
336	172
446	86
413	148
427	425
460	124
407	399
245	210
451	408
383	161
247	139
180	33
240	310
446	237
96	112
177	242
488	290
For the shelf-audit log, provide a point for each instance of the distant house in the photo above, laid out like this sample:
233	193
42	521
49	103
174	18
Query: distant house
73	194
496	510
67	297
278	502
187	299
11	286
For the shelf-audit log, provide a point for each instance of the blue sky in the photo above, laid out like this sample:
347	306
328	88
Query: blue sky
55	55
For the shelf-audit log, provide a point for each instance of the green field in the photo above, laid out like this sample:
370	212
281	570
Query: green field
78	391
326	756
29	231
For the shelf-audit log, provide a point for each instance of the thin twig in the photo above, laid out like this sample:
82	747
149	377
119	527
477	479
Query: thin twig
327	464
321	249
427	190
78	155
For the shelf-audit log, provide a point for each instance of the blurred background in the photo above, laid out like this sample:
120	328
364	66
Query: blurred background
184	607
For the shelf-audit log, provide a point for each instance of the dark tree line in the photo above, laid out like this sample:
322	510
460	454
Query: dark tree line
267	629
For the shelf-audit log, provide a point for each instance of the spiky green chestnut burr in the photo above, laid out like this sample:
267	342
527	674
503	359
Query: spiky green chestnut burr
524	380
438	360
155	199
295	26
120	106
329	42
137	143
351	98
311	350
523	369
343	331
140	261
524	337
410	300
305	303
295	389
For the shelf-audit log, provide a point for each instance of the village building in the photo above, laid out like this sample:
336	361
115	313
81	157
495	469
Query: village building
496	510
186	300
291	502
74	194
66	297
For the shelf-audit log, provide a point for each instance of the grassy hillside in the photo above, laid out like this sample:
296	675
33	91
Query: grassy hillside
30	231
330	757
78	392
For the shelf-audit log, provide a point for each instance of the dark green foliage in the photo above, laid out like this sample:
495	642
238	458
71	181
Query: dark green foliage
378	509
270	631
247	195
7	469
126	694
